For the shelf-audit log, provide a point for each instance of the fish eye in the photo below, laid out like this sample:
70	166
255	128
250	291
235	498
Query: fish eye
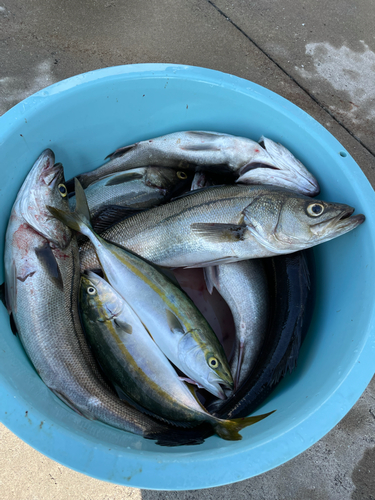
91	290
182	175
315	209
62	189
213	362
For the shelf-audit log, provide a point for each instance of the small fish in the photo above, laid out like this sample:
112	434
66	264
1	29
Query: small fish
110	198
243	286
264	163
42	284
134	362
223	224
171	318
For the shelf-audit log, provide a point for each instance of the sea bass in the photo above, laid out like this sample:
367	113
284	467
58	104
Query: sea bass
132	359
243	286
254	163
171	318
42	284
110	198
223	224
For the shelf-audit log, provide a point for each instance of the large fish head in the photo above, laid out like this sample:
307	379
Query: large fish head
44	186
168	180
284	222
276	166
209	365
98	300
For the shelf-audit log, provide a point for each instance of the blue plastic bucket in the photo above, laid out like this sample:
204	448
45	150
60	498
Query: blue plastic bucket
85	118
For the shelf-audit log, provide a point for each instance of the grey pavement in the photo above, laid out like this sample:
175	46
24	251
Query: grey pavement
320	56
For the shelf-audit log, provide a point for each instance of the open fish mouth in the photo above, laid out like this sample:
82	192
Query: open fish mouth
50	175
218	385
338	225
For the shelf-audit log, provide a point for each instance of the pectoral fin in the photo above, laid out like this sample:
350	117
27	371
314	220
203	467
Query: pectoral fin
121	151
126	327
201	147
174	323
49	264
219	233
122	178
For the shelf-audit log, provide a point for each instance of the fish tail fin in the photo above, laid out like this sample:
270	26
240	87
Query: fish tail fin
285	160
229	429
79	220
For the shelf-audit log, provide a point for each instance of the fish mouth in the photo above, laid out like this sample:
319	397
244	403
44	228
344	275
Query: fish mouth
51	174
338	225
217	385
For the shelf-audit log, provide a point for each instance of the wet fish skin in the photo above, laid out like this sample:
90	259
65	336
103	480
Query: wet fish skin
223	224
172	319
243	285
42	278
128	354
137	365
213	151
139	188
292	286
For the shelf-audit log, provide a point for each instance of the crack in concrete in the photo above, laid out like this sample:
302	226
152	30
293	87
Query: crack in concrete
292	78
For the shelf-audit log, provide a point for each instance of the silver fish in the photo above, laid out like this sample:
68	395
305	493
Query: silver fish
243	286
253	163
141	188
136	364
174	322
42	284
224	224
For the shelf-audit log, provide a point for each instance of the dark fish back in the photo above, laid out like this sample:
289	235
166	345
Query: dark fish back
292	291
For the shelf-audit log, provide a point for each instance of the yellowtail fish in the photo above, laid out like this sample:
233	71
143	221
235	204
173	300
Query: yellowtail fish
171	318
133	361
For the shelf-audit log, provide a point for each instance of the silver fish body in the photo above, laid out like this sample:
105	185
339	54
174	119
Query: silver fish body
136	364
139	188
224	224
243	285
128	354
172	319
42	283
216	152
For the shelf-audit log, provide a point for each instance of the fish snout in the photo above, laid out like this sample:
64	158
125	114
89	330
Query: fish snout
217	385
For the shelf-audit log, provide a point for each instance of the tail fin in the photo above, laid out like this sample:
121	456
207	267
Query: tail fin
229	429
79	220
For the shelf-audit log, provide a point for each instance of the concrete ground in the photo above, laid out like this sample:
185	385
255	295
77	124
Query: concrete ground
320	56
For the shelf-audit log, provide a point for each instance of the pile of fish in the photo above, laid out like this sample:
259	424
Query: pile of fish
109	328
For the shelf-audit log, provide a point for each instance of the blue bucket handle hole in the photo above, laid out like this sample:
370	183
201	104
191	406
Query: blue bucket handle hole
344	154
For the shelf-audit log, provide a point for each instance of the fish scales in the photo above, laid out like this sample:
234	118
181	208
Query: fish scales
265	162
223	224
243	286
142	233
42	283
